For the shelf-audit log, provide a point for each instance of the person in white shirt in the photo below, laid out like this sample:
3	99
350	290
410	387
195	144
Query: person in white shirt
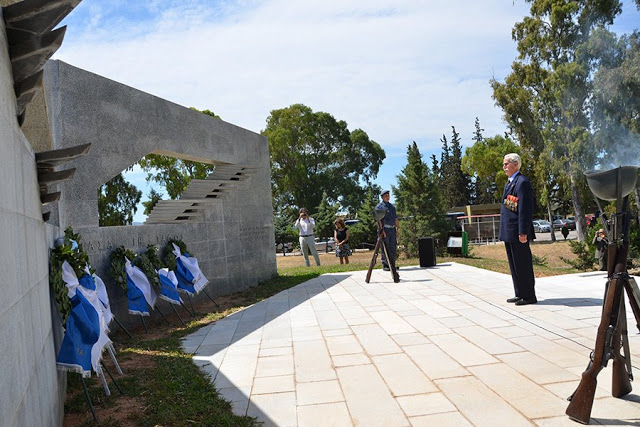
306	224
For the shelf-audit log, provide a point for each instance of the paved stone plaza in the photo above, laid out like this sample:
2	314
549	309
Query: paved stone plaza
442	347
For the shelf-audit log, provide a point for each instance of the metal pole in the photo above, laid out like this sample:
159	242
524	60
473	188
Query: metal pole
493	227
212	300
165	319
113	379
176	312
122	327
86	395
188	311
144	324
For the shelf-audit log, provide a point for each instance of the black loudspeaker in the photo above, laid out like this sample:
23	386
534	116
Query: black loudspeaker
427	251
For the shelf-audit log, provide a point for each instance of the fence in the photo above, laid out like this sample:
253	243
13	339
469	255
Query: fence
481	229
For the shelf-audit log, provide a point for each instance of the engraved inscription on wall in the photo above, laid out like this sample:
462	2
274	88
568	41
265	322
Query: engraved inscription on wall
94	246
255	232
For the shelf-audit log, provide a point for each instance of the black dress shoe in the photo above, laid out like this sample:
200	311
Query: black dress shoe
386	268
526	301
514	299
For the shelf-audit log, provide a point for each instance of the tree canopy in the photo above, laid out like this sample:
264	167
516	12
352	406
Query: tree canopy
312	153
117	200
546	97
484	159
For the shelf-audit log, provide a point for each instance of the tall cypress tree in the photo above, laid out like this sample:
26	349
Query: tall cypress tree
455	182
484	188
418	199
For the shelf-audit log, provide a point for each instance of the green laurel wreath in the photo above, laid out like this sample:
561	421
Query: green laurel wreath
77	258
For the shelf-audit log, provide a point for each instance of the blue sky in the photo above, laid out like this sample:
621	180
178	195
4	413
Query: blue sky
402	71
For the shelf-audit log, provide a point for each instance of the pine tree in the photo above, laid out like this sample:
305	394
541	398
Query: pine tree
418	199
324	217
366	231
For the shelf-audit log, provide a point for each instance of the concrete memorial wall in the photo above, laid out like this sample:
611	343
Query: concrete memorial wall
229	231
31	389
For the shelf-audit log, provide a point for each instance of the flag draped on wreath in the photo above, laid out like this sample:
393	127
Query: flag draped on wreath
139	290
188	273
169	286
82	329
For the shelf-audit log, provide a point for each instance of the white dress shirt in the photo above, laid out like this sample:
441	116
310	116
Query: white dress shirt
305	226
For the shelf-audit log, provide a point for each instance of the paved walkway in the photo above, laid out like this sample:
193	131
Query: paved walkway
442	347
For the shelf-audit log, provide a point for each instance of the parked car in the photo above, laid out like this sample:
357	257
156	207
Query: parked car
325	245
559	223
541	226
284	247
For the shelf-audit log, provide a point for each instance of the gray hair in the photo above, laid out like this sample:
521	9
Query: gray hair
514	158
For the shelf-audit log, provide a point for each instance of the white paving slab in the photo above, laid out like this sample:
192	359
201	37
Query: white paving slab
442	347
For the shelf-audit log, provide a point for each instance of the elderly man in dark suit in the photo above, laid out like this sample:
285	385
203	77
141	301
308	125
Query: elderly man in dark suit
516	230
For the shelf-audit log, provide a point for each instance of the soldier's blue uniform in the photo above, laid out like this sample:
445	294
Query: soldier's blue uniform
389	224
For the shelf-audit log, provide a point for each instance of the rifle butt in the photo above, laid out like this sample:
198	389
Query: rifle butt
620	383
579	408
374	258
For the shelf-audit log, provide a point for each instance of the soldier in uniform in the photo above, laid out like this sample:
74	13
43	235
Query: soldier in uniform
390	225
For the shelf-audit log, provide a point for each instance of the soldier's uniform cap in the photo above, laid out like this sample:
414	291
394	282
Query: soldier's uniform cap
384	192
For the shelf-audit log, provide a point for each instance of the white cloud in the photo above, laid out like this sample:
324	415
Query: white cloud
402	71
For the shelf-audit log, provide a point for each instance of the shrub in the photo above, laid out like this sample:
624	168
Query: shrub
585	260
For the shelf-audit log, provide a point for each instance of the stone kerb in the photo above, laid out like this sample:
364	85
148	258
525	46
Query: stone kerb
234	240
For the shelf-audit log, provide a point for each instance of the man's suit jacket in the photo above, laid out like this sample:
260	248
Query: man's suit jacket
521	222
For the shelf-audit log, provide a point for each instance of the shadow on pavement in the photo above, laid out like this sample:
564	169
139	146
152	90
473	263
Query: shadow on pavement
572	302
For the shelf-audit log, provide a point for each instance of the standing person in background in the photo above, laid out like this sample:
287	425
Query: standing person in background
305	224
390	226
602	246
341	236
516	230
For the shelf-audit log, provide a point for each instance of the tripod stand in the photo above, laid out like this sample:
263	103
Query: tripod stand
378	215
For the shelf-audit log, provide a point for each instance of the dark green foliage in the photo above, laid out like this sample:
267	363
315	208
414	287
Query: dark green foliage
154	198
172	173
366	231
207	112
117	267
143	262
585	259
283	228
484	160
152	254
313	153
325	216
539	260
169	258
77	259
454	182
418	198
117	200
